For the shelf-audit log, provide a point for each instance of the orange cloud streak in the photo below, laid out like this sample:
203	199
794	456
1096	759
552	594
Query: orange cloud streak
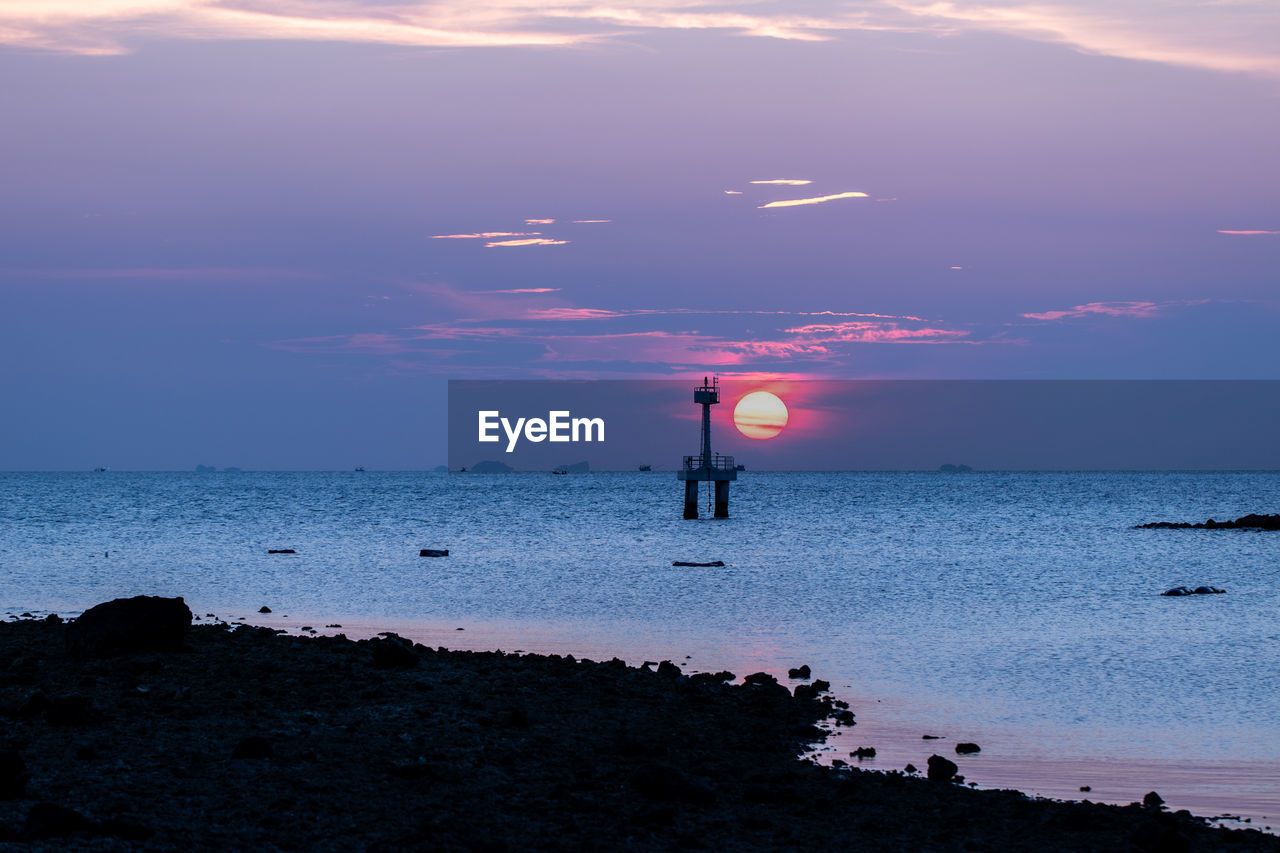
822	199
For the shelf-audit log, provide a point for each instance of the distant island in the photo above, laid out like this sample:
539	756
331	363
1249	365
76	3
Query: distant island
490	467
209	469
955	469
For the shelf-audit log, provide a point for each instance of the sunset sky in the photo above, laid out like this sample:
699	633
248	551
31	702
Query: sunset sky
265	233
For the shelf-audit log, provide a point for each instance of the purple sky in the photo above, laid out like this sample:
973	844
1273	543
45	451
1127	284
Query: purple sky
223	226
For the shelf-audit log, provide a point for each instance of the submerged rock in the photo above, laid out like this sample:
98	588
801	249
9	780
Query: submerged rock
967	748
433	552
144	623
1200	590
801	672
281	551
864	752
714	564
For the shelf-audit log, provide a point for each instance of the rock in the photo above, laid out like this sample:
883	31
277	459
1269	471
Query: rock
941	769
1086	788
53	619
1207	590
433	552
760	679
821	686
49	820
253	747
911	768
143	623
264	609
668	669
967	748
392	652
669	784
1177	590
799	672
281	551
13	775
843	717
805	692
931	737
71	710
1153	800
714	564
1252	521
864	752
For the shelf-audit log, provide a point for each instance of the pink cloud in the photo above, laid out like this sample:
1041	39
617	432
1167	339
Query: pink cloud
485	235
1248	233
523	290
1104	309
529	241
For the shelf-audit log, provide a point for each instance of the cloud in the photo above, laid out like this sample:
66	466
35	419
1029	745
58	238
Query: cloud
795	202
790	182
590	221
1226	35
524	290
1249	233
485	235
879	332
1103	309
539	222
733	192
531	241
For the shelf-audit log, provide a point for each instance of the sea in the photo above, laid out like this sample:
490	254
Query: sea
1019	611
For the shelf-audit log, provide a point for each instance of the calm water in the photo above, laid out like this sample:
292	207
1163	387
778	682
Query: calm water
1019	610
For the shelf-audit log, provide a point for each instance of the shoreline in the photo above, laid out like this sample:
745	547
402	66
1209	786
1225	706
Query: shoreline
1228	788
264	643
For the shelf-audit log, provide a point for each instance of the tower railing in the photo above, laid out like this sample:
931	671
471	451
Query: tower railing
718	462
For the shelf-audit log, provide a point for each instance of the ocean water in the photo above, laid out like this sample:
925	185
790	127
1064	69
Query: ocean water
1020	610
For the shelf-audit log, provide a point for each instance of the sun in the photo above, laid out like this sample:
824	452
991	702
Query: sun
760	415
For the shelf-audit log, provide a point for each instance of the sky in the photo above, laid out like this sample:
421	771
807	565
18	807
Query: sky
266	233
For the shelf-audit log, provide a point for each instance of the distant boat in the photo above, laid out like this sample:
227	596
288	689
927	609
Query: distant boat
646	467
559	471
101	470
740	467
360	468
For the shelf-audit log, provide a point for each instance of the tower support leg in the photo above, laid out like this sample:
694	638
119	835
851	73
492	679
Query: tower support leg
722	498
690	498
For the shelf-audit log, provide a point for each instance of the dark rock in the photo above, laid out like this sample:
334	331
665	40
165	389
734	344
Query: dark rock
806	692
864	752
264	609
281	551
13	775
1252	521
1153	800
1086	788
712	677
666	783
71	710
714	564
253	747
668	669
1177	590
760	679
931	737
1207	590
821	686
843	717
433	552
143	623
967	748
53	619
392	652
941	769
911	768
49	820
802	672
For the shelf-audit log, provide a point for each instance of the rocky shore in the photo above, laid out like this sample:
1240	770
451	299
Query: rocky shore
242	738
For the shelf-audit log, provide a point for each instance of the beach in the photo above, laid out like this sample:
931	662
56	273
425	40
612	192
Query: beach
246	738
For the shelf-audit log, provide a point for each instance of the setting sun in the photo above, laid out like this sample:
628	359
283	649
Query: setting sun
760	414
